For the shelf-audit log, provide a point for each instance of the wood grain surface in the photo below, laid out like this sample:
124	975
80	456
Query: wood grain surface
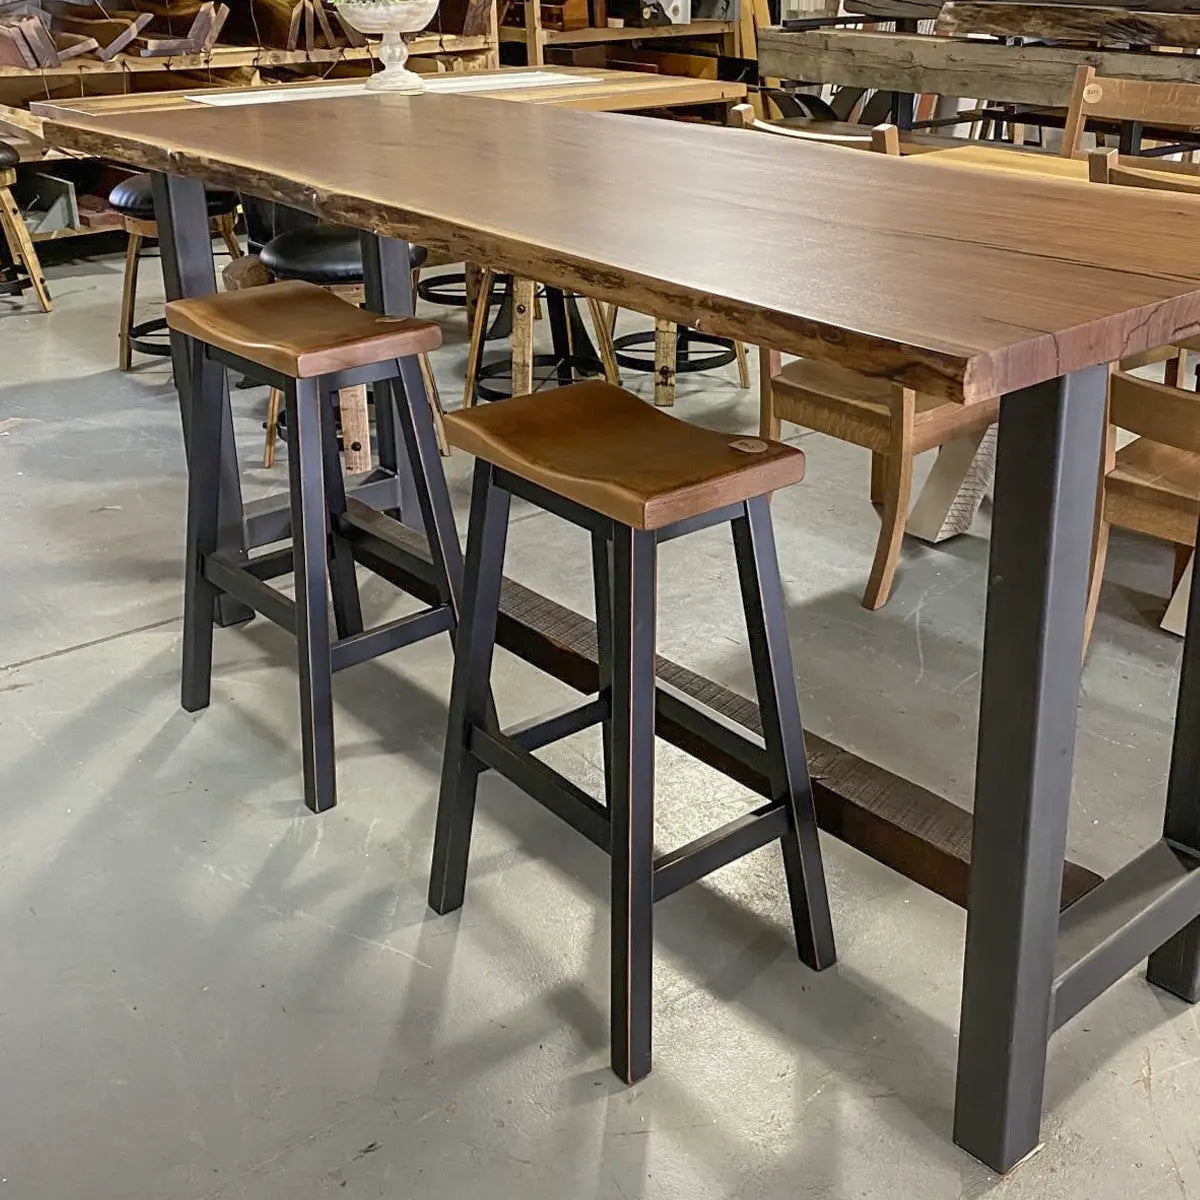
599	89
953	66
1070	22
945	281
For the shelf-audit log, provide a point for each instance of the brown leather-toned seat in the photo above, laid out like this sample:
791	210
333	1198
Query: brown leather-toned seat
606	449
299	329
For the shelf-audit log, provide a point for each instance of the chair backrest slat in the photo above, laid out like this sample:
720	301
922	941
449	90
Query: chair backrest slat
1168	104
1154	410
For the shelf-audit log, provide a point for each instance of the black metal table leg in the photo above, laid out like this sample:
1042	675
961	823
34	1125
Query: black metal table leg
1049	447
1175	966
632	793
387	282
185	247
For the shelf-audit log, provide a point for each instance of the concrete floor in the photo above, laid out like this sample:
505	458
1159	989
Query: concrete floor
205	993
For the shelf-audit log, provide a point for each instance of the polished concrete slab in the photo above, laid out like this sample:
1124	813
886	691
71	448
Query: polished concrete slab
206	993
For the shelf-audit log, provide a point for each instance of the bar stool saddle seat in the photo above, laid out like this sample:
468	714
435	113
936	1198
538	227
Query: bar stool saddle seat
326	254
604	448
300	330
9	157
134	197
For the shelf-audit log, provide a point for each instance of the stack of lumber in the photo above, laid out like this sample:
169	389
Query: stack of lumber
46	33
979	51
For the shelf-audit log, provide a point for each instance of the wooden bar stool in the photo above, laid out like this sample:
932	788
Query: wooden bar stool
309	344
634	476
133	198
25	269
331	256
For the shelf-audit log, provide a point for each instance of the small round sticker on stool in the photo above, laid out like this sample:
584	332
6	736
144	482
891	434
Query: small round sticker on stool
749	445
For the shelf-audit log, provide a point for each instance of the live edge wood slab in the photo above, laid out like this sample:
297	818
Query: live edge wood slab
937	280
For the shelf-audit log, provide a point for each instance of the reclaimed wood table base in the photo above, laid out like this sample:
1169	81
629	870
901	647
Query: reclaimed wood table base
889	269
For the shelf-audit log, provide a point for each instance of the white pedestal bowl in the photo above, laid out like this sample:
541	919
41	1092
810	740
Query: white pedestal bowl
391	20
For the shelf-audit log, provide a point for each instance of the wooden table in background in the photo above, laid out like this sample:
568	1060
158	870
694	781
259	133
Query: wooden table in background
945	281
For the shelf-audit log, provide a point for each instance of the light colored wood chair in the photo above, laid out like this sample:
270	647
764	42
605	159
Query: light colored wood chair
16	233
1152	484
895	423
1168	105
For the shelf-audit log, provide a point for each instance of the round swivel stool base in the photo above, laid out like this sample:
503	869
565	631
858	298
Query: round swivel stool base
545	374
139	333
448	288
687	358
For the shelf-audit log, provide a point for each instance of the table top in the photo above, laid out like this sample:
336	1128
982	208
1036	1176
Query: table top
941	280
598	89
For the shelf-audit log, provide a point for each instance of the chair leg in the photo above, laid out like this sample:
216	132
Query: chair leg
478	333
274	400
770	363
666	334
435	403
306	475
608	355
632	800
1099	555
356	428
878	478
204	467
227	228
133	250
343	578
783	733
20	244
1175	370
897	493
433	498
602	583
524	292
474	646
743	364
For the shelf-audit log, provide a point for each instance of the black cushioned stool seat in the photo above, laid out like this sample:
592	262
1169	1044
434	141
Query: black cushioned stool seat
330	255
134	197
8	156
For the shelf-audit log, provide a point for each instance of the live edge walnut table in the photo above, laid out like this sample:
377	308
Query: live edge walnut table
885	267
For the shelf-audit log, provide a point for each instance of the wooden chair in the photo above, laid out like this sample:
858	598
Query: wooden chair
895	423
1170	105
16	233
1152	484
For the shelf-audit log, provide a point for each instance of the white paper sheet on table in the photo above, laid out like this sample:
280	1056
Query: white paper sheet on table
466	82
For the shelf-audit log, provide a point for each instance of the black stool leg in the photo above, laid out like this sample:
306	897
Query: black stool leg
203	522
766	624
343	580
305	469
433	497
474	645
602	578
632	799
